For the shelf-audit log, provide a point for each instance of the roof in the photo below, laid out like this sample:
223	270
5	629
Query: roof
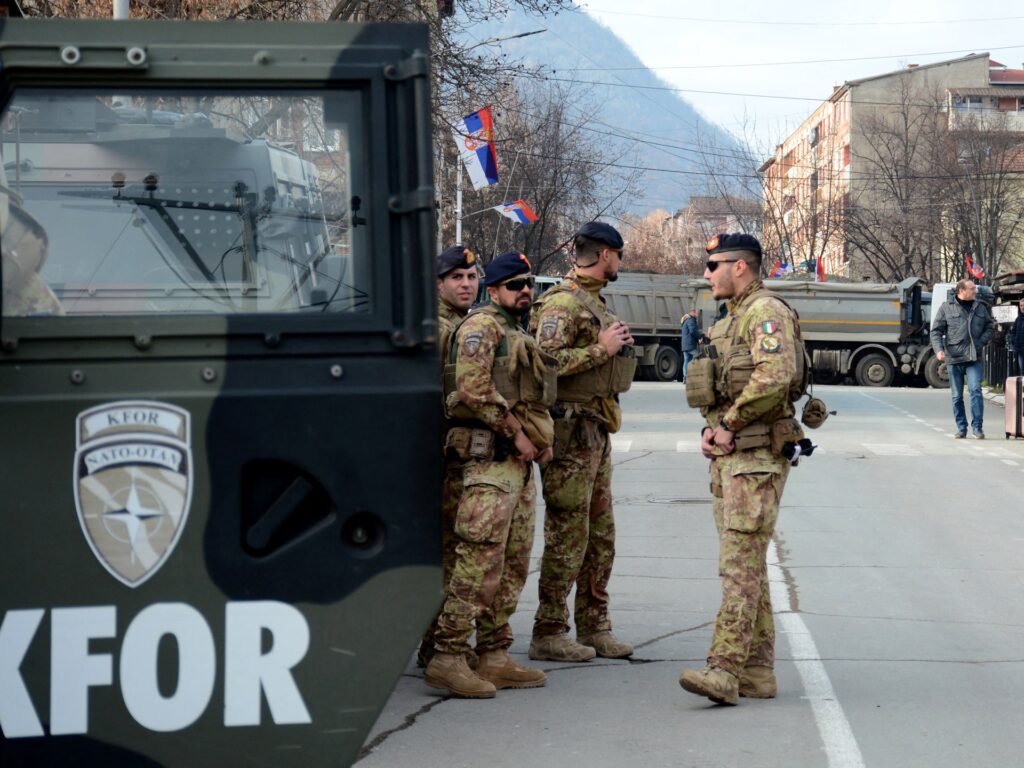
1006	76
989	90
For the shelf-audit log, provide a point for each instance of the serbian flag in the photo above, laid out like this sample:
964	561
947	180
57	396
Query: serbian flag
474	136
518	211
974	268
780	269
819	271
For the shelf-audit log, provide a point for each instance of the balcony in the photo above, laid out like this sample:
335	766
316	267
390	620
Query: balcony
985	120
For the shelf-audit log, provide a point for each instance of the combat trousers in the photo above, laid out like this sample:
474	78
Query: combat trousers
451	492
579	534
747	488
493	530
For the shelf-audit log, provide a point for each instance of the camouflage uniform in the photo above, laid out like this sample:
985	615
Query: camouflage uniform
579	527
747	484
494	519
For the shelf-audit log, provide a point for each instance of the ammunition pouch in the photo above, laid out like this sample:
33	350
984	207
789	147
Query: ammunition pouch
756	435
737	368
783	432
611	378
700	383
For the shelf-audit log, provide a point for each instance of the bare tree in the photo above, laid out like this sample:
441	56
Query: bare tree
549	160
893	217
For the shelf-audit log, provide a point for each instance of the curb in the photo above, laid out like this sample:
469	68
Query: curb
994	397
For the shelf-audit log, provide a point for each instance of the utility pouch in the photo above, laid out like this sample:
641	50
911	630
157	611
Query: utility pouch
737	370
756	435
700	383
457	442
623	370
785	431
564	429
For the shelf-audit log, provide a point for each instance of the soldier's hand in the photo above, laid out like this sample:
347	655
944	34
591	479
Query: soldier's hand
614	337
527	450
941	356
545	456
707	443
723	440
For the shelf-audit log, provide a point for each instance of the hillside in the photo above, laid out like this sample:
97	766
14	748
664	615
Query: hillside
574	43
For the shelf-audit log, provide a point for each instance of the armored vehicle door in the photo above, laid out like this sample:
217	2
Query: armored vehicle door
219	394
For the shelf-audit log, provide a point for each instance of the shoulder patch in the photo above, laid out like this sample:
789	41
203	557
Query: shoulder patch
769	326
548	327
770	344
471	343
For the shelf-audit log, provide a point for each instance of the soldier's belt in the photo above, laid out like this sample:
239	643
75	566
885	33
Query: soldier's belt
468	443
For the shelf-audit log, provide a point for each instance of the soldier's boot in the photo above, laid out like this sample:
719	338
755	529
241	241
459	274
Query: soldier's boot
449	671
718	685
425	652
758	683
606	645
559	648
499	668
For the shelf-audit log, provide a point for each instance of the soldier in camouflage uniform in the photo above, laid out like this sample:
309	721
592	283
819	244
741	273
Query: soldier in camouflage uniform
751	385
23	246
590	344
498	387
458	281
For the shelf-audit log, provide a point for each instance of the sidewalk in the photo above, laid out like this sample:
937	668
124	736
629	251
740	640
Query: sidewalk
994	397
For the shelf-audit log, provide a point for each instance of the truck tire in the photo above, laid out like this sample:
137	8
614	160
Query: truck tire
875	370
935	373
666	364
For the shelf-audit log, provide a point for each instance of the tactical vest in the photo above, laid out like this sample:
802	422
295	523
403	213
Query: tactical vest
520	385
724	369
612	377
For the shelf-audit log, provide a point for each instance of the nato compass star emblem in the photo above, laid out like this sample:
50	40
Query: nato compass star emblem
133	484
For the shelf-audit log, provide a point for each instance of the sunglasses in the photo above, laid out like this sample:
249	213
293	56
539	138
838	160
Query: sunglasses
711	266
518	284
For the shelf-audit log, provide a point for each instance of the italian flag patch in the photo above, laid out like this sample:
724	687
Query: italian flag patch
769	326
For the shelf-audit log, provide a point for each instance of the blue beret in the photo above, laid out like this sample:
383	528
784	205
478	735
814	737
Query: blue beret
735	241
456	257
505	266
606	233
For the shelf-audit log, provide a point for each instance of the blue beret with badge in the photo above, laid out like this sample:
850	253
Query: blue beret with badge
505	266
456	257
605	233
735	241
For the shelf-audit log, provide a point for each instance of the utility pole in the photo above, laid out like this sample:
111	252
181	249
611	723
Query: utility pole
121	9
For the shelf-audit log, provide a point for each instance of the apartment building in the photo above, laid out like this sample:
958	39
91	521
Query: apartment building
842	154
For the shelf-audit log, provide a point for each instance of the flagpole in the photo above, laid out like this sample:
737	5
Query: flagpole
508	186
458	204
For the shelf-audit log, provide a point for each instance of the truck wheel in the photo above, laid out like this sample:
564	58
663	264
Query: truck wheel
935	373
666	364
875	370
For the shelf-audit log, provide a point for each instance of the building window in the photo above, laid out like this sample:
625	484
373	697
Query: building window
968	104
846	155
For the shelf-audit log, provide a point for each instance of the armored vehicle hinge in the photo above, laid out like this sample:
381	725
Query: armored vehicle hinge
419	199
417	65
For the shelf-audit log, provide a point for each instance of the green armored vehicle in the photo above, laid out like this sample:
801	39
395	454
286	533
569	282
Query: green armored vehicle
218	389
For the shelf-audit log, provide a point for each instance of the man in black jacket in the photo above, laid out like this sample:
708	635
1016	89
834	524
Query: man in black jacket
961	329
1017	338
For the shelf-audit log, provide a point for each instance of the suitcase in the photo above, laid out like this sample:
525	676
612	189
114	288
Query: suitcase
1013	395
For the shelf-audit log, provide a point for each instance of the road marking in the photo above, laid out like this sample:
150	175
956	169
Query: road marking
840	745
1009	462
891	449
938	429
621	446
688	446
1002	453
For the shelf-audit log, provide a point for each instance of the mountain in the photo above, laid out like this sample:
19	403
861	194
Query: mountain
576	49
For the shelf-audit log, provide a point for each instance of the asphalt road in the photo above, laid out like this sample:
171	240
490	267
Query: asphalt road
896	580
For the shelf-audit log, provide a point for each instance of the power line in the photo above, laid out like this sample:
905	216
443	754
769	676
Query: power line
756	22
783	63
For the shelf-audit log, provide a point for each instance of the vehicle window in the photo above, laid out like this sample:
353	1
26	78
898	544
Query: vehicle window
190	202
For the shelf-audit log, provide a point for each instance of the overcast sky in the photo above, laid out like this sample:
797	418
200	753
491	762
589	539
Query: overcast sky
688	43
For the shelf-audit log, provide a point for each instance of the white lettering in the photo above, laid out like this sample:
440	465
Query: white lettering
247	670
197	666
17	715
147	453
73	670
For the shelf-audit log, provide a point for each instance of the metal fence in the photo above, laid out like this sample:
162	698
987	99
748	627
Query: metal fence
999	361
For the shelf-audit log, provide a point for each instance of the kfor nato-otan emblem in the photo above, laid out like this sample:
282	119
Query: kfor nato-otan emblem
133	484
